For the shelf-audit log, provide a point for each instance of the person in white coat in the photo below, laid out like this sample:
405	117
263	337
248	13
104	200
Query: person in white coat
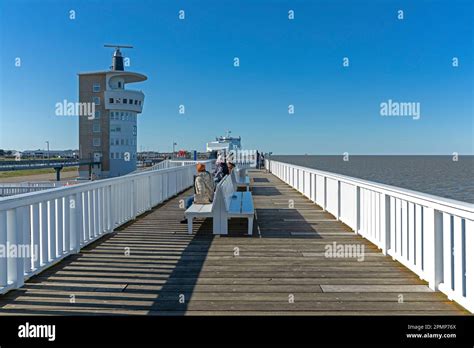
203	188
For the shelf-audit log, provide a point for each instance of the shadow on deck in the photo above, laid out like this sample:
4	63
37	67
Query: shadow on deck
152	266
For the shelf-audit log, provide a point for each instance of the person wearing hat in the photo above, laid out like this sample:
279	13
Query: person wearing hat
203	188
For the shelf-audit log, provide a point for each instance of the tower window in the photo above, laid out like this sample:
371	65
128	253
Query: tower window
96	100
125	100
120	84
96	141
96	128
97	114
96	87
111	100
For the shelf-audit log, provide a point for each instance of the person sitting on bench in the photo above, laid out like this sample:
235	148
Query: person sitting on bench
230	166
203	188
221	169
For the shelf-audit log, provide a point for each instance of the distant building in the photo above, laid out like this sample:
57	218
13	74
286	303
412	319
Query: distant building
111	136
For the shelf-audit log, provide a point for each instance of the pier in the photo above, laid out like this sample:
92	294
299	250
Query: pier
150	265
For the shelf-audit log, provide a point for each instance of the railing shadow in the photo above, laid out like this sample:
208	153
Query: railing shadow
174	296
266	191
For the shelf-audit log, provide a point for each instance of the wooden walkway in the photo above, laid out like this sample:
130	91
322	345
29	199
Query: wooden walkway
152	266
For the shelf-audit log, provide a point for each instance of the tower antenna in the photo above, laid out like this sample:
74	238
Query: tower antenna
117	58
118	46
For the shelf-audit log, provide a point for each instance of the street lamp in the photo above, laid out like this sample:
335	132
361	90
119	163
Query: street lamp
47	145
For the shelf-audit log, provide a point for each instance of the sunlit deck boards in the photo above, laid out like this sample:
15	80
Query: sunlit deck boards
284	258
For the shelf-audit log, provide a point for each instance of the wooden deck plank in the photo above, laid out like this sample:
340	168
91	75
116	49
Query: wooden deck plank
229	275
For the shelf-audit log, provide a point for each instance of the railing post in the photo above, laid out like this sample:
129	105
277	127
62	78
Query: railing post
150	192
72	225
385	223
15	266
52	229
35	224
433	247
109	208
134	197
113	204
325	198
79	228
59	227
469	247
3	243
43	214
26	241
357	210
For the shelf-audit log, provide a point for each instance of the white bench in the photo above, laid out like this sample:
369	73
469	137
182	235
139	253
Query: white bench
227	204
240	179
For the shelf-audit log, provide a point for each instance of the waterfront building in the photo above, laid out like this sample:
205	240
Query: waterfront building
110	137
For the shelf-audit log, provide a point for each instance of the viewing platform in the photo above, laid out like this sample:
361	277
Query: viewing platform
152	266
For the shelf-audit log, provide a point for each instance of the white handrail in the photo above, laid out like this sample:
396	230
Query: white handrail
11	189
431	235
176	163
50	225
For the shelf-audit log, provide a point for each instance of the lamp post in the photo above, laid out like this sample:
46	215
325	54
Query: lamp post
174	144
47	145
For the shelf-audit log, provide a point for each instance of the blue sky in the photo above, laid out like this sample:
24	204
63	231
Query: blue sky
282	62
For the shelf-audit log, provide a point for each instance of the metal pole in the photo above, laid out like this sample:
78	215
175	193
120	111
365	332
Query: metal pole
47	145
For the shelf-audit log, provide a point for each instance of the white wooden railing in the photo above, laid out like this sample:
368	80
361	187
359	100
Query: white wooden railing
25	187
17	190
176	163
53	224
432	236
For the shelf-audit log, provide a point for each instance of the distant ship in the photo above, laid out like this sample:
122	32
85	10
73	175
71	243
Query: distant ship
224	143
